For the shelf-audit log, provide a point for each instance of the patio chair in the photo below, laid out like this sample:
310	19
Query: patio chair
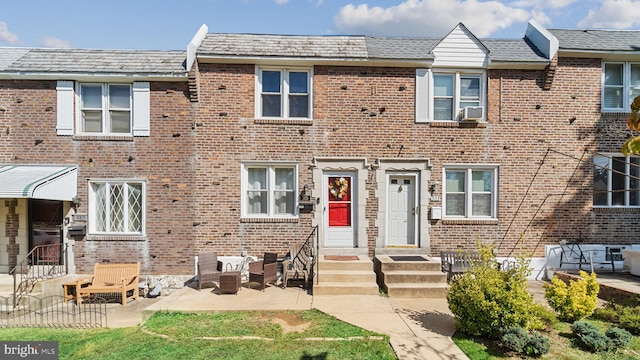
264	271
209	268
298	267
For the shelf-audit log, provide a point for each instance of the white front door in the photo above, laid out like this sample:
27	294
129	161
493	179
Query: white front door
402	211
339	196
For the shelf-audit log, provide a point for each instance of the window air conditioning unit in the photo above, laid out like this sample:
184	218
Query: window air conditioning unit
472	113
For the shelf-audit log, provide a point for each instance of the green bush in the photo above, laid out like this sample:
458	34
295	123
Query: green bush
485	299
515	339
591	337
595	341
610	313
630	320
544	319
518	340
619	338
573	302
538	345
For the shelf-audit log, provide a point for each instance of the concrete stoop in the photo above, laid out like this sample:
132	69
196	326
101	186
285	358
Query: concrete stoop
410	279
345	277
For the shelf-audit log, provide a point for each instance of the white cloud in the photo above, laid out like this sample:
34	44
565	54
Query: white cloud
613	14
54	42
6	36
543	4
280	2
428	18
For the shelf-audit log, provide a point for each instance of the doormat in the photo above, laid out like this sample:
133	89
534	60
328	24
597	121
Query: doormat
408	258
341	257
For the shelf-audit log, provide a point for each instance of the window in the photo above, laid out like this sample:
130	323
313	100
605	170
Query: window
283	93
616	180
116	207
105	108
442	96
620	85
269	190
98	109
470	192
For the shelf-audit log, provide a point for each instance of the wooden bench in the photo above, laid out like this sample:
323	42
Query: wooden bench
110	278
456	262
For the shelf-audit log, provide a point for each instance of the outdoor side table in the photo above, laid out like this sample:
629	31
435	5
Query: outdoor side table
230	282
69	290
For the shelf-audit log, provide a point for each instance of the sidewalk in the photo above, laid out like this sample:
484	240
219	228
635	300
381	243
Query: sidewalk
418	328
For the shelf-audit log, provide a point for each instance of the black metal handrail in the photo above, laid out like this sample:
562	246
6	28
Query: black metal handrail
42	262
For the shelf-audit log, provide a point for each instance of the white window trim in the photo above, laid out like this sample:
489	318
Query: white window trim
424	108
610	179
284	91
270	166
626	86
92	204
468	193
105	109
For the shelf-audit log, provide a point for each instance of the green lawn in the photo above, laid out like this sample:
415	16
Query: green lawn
308	334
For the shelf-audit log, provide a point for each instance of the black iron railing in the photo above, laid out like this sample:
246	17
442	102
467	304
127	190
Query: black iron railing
42	262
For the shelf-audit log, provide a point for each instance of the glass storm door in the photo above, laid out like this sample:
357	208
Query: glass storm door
46	225
402	211
339	224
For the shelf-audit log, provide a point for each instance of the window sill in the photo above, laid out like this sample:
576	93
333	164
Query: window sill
458	124
616	210
115	237
103	137
470	221
305	122
268	220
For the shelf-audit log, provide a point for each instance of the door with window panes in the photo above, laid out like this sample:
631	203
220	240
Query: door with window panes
339	212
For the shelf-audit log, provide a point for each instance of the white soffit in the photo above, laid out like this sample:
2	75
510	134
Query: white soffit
50	182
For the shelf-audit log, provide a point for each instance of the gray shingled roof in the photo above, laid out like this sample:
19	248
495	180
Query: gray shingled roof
351	47
283	46
26	60
598	40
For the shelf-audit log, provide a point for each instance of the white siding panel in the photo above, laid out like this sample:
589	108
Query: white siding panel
141	109
460	49
64	124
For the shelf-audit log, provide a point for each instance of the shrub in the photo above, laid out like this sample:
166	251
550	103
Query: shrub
515	339
610	313
538	345
543	318
595	341
486	299
630	320
575	301
518	340
619	338
591	337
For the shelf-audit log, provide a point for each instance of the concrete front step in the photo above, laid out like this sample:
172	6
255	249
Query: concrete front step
362	264
418	290
345	288
414	276
346	276
386	263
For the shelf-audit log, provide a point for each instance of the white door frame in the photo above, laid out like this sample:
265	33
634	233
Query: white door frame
346	236
414	212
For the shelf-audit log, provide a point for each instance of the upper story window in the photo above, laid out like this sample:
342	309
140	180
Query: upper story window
620	85
283	93
616	180
470	191
269	190
116	207
444	96
103	108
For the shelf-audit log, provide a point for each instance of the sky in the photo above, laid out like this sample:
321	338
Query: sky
170	24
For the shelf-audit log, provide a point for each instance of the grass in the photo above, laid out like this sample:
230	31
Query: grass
564	346
172	335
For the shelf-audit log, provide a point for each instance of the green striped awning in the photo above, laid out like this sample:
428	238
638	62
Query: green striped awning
50	182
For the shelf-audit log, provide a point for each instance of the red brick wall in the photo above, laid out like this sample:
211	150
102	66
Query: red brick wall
164	160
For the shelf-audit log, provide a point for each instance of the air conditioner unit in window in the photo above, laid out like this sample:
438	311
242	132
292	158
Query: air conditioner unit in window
472	113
